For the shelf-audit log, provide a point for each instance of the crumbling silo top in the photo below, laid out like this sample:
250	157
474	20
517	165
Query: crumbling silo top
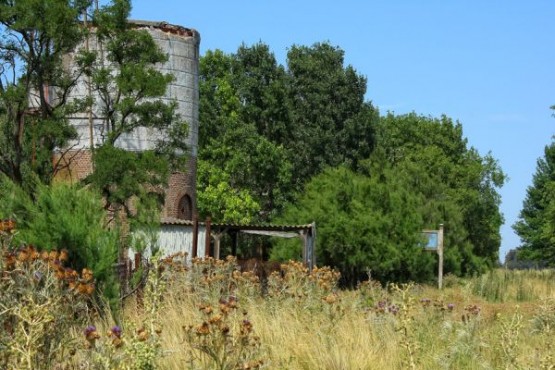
167	27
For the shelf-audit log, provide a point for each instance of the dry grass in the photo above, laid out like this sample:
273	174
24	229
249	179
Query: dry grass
309	324
208	315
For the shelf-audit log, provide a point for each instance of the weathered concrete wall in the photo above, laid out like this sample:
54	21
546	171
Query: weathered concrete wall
182	46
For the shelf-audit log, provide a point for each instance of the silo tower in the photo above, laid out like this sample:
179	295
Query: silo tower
182	46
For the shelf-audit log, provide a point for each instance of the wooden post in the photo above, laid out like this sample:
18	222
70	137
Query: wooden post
138	260
217	238
207	238
440	255
195	236
234	243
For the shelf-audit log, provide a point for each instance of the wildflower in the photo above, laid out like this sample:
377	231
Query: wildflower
82	288
116	331
206	309
215	319
23	255
142	334
63	255
87	274
91	335
44	256
450	306
10	261
330	298
224	329
33	254
37	275
203	329
394	309
246	327
53	255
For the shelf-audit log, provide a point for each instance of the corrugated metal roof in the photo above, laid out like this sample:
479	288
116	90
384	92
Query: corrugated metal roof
175	221
239	227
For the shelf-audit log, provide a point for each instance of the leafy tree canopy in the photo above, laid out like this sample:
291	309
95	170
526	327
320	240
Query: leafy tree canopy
536	220
366	224
270	128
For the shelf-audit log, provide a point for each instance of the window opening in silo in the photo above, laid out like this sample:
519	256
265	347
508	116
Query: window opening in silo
185	208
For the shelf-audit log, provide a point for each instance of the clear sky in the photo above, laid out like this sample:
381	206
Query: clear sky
488	64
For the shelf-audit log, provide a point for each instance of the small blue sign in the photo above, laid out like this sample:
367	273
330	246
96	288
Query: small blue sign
431	239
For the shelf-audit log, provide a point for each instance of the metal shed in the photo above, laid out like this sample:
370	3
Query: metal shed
195	237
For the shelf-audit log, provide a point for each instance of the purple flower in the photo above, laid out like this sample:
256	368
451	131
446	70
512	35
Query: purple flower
394	309
116	331
38	275
90	329
450	306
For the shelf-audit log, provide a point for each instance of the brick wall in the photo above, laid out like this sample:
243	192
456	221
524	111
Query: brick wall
73	165
76	165
181	184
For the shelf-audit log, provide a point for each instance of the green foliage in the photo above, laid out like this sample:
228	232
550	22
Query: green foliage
536	219
129	86
365	224
330	121
459	185
220	200
34	88
269	128
65	217
234	150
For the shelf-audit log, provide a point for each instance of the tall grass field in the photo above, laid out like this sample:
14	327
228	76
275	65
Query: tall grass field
209	315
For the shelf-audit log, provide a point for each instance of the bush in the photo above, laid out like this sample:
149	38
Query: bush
40	302
64	216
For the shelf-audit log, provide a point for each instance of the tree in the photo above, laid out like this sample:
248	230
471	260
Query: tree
34	86
270	128
366	224
537	217
220	200
129	86
460	185
331	123
233	144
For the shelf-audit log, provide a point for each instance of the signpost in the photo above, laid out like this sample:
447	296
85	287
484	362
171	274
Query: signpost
434	242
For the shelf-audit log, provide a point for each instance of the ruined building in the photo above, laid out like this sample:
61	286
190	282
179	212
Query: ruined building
182	46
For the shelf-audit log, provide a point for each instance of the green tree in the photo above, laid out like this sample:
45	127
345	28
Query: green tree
129	86
34	86
460	185
270	128
233	144
331	122
366	224
220	200
536	220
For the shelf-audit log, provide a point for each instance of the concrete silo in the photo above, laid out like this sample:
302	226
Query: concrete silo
182	46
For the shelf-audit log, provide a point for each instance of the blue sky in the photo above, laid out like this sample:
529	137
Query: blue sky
488	64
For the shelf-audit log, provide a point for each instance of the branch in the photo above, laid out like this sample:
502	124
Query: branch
58	167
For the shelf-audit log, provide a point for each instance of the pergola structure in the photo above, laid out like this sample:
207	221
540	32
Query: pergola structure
215	232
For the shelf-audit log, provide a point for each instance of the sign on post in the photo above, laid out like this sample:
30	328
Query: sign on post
434	242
